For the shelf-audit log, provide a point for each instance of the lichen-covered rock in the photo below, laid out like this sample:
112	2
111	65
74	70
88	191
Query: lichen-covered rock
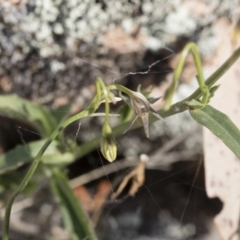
46	45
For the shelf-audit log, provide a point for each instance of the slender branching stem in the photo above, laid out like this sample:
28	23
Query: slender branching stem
202	91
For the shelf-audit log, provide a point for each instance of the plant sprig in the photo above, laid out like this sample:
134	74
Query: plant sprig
103	94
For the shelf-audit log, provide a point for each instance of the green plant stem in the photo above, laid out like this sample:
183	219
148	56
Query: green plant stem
122	89
178	71
105	92
217	74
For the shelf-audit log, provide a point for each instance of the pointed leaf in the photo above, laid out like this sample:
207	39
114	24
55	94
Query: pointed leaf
39	117
26	153
220	125
74	216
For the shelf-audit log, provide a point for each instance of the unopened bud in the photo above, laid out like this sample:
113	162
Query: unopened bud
108	148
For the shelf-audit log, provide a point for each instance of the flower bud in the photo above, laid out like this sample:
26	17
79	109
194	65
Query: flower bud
108	148
108	145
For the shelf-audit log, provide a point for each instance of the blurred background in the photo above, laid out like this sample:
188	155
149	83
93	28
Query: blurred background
52	51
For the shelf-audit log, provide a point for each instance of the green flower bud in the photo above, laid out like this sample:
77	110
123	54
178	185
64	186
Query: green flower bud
108	148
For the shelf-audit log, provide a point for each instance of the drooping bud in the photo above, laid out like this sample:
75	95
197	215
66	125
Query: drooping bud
108	148
108	145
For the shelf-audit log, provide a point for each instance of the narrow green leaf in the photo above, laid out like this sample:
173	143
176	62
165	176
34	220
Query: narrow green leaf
74	217
39	117
220	125
27	152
